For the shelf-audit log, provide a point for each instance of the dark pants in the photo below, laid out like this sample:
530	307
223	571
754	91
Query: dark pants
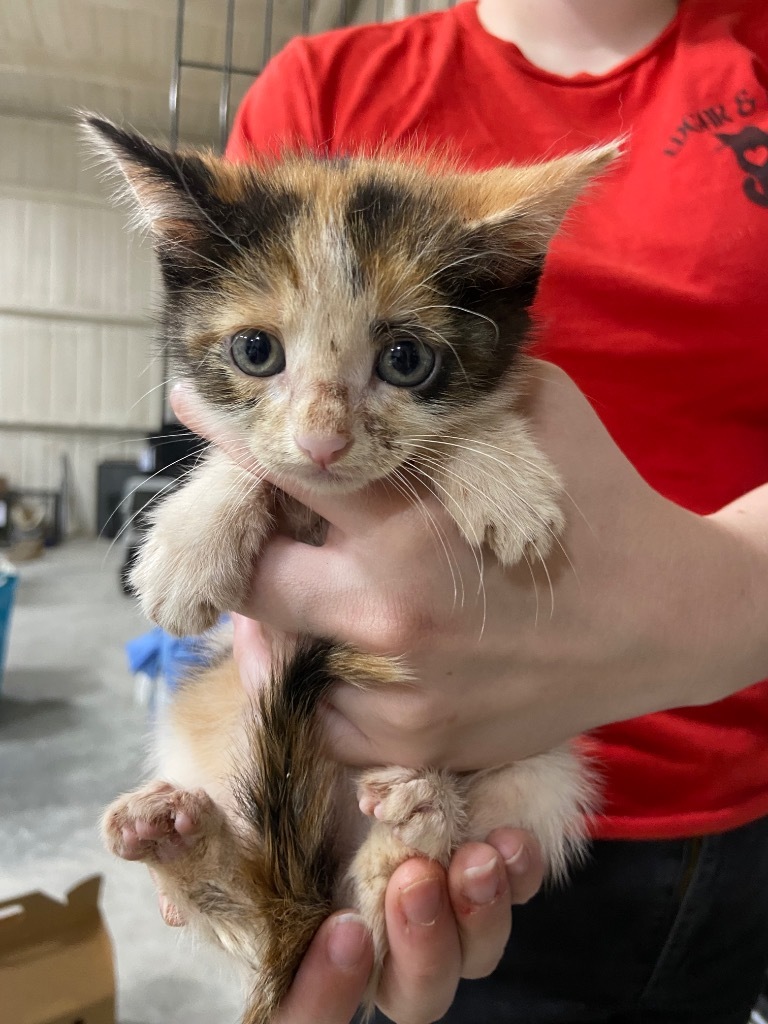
662	932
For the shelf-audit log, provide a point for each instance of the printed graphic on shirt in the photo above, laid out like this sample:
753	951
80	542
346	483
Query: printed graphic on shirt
709	119
748	144
751	148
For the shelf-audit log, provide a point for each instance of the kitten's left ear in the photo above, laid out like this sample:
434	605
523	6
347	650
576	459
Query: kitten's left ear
518	210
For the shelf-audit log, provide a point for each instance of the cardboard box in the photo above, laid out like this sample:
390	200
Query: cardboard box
56	959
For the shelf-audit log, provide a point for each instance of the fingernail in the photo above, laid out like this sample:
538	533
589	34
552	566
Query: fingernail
422	901
517	859
480	884
347	943
519	862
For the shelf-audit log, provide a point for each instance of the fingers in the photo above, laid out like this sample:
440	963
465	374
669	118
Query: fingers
331	980
290	585
424	963
484	881
523	861
441	929
480	895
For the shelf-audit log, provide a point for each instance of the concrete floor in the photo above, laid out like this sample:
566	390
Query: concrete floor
71	739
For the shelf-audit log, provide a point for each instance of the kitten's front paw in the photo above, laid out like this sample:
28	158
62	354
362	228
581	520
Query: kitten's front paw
423	807
198	558
171	581
531	535
159	823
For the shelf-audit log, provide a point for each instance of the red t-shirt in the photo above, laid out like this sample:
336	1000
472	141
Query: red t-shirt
655	300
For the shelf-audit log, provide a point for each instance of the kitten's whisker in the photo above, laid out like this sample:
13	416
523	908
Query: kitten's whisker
160	441
133	490
467	258
510	489
447	439
438	532
179	246
413	498
504	514
527	561
515	455
476	548
146	508
462	309
162	384
545	567
442	338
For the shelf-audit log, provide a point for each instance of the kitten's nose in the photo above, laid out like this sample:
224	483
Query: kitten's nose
324	449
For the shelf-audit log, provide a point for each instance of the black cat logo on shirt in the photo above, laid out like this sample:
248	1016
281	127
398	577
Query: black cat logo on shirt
750	146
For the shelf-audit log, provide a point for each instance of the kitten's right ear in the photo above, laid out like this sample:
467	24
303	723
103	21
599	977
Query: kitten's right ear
172	192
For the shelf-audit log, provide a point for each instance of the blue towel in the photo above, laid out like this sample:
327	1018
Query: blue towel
157	653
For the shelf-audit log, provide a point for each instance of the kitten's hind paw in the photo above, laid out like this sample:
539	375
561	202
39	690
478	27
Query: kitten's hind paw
423	807
159	823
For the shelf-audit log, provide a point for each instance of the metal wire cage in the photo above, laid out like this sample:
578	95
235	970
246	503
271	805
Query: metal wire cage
301	17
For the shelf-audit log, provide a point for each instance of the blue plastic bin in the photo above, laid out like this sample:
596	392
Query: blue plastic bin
8	580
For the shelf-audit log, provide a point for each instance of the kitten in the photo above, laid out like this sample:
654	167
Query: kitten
352	320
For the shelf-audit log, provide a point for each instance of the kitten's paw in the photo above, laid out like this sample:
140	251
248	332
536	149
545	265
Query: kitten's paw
424	808
197	560
159	823
183	589
532	536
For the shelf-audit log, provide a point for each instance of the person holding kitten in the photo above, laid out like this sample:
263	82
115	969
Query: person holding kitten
652	306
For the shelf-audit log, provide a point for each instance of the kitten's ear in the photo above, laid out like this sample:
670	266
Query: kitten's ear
516	211
173	192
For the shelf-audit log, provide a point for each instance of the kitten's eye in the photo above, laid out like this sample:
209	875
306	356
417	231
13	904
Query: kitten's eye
257	353
406	363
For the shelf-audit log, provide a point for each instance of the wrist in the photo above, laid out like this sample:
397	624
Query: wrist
716	617
741	597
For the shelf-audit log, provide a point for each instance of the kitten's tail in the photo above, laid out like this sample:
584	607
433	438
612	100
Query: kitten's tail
288	792
285	790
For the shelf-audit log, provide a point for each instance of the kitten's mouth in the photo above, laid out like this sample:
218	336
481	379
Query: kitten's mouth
328	477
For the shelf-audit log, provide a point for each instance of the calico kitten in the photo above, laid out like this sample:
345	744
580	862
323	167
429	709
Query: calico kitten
352	320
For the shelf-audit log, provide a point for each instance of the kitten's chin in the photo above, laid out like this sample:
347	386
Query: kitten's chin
331	480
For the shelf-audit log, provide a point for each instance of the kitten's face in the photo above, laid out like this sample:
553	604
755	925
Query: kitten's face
347	316
350	331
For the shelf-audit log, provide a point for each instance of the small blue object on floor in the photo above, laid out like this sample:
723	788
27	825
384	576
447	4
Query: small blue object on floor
8	580
159	661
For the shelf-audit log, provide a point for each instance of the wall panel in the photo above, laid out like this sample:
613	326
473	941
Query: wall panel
78	370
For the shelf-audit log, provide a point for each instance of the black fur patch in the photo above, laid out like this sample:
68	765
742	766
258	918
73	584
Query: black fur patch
250	225
380	216
278	802
490	323
244	233
376	210
188	172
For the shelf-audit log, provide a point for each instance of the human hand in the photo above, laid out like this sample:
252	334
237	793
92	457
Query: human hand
645	606
464	936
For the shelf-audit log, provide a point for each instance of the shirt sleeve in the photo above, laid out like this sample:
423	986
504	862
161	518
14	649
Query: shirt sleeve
278	112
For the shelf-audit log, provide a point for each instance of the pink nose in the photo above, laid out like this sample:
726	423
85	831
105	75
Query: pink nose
324	449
